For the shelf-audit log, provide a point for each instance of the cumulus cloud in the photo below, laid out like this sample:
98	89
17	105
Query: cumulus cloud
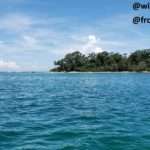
8	66
92	44
85	44
92	39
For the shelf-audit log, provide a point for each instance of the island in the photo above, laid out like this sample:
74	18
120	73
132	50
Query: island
138	61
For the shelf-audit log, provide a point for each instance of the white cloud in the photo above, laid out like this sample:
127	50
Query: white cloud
40	37
93	44
46	37
29	41
92	39
8	66
15	22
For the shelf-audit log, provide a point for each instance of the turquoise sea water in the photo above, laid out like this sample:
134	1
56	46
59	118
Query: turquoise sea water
100	111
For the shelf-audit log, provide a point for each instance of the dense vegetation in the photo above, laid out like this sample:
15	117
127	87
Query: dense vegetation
104	61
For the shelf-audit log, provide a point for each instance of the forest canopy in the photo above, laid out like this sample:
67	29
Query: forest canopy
104	61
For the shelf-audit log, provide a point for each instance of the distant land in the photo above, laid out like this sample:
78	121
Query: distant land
137	61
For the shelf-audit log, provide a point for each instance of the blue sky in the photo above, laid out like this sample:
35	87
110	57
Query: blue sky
34	33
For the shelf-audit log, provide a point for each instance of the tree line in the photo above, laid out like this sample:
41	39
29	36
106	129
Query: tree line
104	61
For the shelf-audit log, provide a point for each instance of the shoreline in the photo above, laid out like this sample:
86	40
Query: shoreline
74	72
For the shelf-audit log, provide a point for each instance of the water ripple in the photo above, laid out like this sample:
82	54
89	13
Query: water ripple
74	111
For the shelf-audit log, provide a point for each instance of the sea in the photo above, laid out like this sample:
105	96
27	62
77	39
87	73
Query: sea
74	111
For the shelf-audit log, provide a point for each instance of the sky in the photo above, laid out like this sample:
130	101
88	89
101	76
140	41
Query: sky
35	33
